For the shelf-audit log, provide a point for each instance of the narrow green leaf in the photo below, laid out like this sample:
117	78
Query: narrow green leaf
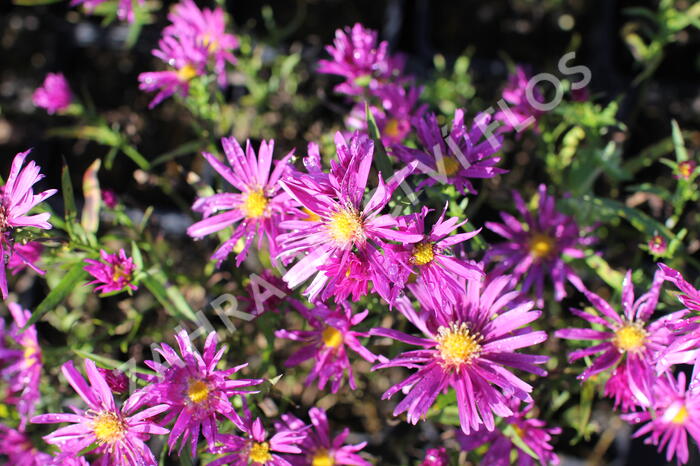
71	212
510	432
168	295
90	218
678	144
67	284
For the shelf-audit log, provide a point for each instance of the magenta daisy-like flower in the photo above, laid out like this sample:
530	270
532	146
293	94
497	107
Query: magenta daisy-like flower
114	272
536	249
674	414
195	392
456	159
125	8
356	56
468	348
341	224
319	448
187	60
208	28
327	343
19	449
254	211
521	112
530	431
54	94
255	448
22	366
436	457
631	341
430	259
17	198
119	433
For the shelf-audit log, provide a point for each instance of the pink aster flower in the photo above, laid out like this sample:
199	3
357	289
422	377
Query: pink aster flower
21	367
521	112
356	56
25	255
125	8
657	245
327	343
674	414
195	392
19	449
632	341
468	348
114	272
463	155
54	94
120	433
256	449
430	259
436	457
109	197
536	249
531	431
342	224
208	28
256	210
187	59
686	169
319	447
17	198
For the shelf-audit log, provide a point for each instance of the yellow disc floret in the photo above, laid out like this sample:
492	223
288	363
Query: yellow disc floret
332	337
198	391
423	253
345	226
254	204
322	458
541	245
108	428
681	416
448	165
391	128
457	345
630	337
260	452
186	73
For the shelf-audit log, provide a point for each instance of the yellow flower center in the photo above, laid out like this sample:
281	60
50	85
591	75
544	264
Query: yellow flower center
630	337
457	345
254	204
310	216
198	391
211	44
391	128
108	428
423	253
332	337
118	273
260	452
680	416
541	245
322	458
346	226
448	165
187	72
685	169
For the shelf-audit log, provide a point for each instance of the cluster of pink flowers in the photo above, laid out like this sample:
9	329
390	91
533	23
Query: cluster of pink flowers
194	42
342	233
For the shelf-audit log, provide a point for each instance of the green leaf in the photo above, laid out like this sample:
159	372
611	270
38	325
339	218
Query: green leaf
68	198
510	432
600	266
109	363
67	284
168	295
90	217
678	144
